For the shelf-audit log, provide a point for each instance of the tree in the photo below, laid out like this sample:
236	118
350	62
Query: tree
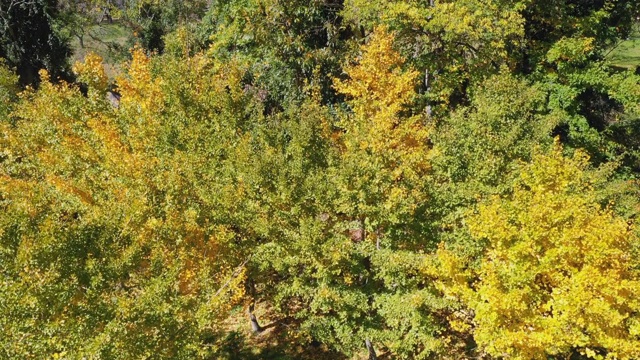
347	269
109	244
289	44
559	274
77	17
152	20
29	39
8	89
478	146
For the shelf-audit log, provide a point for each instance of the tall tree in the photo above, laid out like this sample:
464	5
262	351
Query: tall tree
29	39
152	20
346	267
289	43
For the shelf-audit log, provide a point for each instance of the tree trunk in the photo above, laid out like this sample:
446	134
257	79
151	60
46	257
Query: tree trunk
372	351
255	327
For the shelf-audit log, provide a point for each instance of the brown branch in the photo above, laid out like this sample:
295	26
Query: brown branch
234	275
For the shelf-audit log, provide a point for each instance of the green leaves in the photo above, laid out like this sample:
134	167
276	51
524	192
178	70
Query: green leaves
379	172
8	89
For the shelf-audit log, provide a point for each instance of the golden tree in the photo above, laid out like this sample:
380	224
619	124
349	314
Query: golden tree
559	274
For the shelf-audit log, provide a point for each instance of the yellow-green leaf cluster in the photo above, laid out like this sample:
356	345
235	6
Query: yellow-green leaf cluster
558	273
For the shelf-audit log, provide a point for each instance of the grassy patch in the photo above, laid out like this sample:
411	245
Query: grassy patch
111	41
627	54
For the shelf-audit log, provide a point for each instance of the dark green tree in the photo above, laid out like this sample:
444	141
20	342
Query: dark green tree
289	43
153	20
29	40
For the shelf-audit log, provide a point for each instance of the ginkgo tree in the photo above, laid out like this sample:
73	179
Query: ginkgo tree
374	207
386	147
560	272
110	247
337	199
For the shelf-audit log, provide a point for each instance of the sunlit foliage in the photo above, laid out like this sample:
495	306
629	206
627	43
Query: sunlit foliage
353	178
559	274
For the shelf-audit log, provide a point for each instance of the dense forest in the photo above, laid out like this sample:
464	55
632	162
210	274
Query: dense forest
319	179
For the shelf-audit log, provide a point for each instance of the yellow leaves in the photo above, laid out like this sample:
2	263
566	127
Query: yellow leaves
228	78
230	293
557	273
377	84
139	68
348	279
60	355
476	20
141	90
91	72
378	89
23	192
112	144
571	50
593	355
458	325
450	275
66	187
550	174
44	76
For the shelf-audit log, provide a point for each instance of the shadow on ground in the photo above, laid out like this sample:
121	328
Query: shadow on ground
269	345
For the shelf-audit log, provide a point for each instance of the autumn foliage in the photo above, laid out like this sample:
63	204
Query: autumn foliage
422	180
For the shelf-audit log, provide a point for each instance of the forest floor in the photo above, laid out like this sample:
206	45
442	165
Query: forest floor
109	40
274	342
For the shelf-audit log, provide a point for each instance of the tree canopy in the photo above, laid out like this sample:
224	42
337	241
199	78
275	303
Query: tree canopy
342	179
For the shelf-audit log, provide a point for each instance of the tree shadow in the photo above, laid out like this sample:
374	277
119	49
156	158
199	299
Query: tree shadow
270	345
